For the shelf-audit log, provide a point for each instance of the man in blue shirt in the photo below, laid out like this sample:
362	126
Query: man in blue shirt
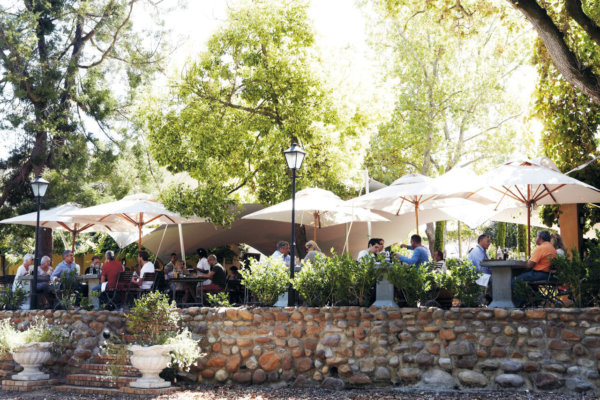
420	253
67	265
282	252
479	254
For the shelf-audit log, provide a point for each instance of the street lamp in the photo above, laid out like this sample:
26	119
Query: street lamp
39	187
294	157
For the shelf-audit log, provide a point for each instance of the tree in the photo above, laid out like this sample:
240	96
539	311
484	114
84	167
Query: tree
500	240
57	60
561	25
571	121
443	117
245	100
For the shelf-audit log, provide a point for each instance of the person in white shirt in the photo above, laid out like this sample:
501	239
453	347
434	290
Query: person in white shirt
373	248
282	252
147	268
203	267
24	269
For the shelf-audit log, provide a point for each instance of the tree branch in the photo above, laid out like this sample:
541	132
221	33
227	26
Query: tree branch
564	59
575	10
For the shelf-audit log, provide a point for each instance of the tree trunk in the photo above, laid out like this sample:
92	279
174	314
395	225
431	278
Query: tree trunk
300	241
579	75
430	232
46	243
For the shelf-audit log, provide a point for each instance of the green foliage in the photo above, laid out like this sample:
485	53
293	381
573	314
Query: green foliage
465	276
522	239
500	239
414	283
239	105
441	117
220	299
66	290
39	330
267	280
339	280
571	272
153	320
12	300
59	60
440	229
570	118
313	284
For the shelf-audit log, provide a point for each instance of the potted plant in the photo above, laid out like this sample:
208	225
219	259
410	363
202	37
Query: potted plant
30	348
267	280
159	340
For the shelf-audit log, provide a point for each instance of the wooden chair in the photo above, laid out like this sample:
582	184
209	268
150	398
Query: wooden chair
115	298
138	291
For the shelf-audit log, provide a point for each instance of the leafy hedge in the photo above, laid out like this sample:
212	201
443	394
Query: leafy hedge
340	281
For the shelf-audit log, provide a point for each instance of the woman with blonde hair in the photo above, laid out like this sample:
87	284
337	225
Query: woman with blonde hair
558	244
312	249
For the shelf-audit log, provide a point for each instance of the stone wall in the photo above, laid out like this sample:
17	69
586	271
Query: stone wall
552	349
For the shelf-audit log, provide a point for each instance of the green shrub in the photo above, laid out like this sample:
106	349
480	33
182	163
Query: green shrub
10	300
267	280
153	319
219	299
414	283
313	283
465	276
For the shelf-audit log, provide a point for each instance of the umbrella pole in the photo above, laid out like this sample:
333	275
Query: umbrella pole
417	215
528	230
74	234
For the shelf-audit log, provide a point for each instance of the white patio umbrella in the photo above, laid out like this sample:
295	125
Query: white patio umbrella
528	183
317	208
55	218
135	211
416	193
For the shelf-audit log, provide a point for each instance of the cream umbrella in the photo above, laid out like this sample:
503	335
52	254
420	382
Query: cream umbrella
528	183
317	208
55	218
135	211
414	193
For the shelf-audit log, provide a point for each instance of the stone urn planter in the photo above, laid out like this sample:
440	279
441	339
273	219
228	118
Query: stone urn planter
150	361
31	356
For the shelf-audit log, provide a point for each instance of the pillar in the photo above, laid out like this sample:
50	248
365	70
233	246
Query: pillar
570	228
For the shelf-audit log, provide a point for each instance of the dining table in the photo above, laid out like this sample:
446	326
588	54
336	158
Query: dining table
194	281
502	274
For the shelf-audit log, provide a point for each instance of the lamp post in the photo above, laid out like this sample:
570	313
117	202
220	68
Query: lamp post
39	187
294	157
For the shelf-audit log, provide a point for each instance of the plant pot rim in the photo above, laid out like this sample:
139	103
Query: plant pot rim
153	349
33	345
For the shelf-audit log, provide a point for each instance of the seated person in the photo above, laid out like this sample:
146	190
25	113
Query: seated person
43	287
147	268
217	275
558	244
420	253
540	260
95	267
282	252
110	271
373	248
170	266
202	267
438	258
235	273
312	249
479	254
24	269
65	266
181	286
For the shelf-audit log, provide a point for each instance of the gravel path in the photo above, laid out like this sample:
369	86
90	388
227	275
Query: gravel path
266	393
